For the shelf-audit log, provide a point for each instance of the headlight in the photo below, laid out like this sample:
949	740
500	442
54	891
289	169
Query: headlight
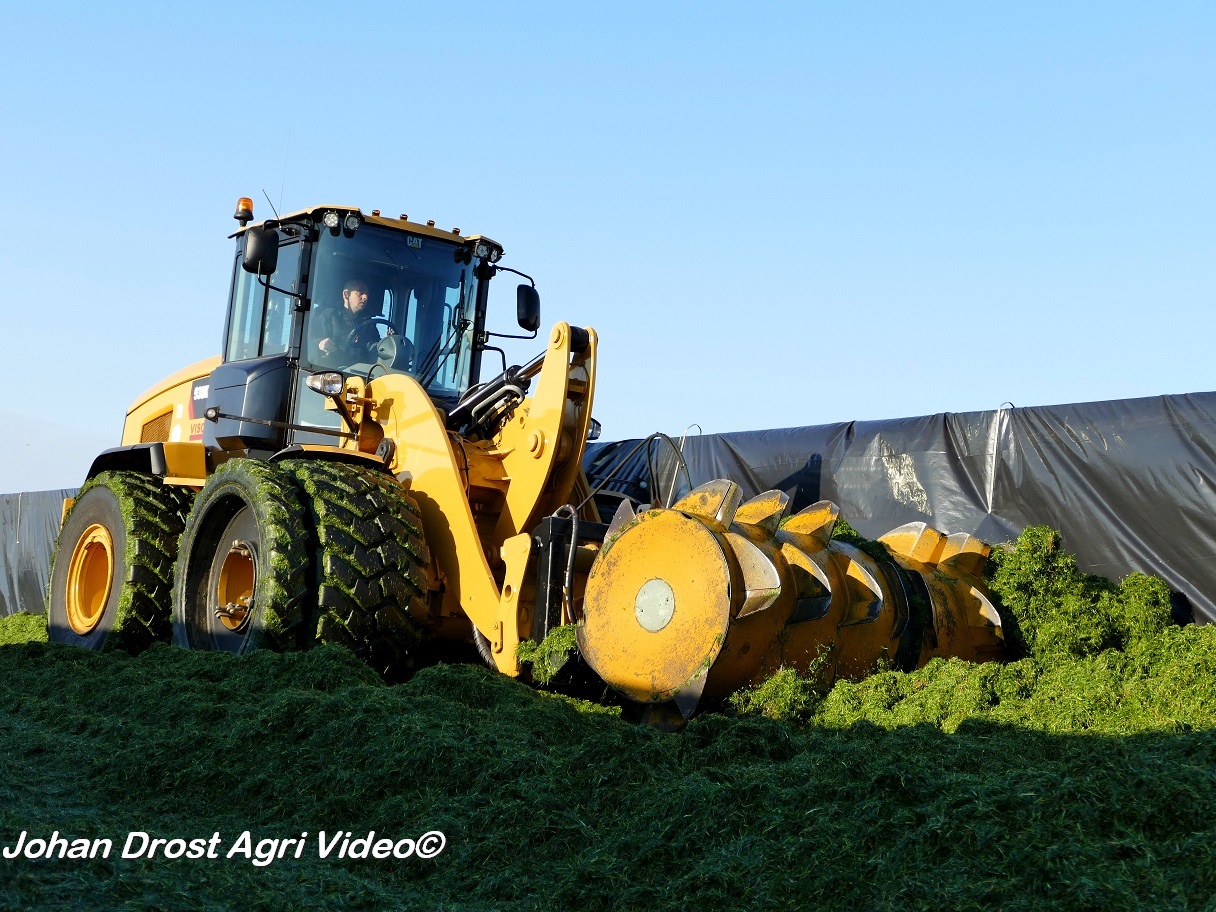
327	383
330	220
482	249
495	254
352	223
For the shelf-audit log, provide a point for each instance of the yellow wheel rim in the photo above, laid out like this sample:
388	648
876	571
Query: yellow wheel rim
90	578
235	586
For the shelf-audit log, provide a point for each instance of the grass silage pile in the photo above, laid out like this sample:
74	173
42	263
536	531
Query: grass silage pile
1081	775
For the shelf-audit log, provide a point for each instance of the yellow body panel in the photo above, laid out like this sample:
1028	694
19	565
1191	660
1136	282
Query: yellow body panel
170	402
186	463
436	480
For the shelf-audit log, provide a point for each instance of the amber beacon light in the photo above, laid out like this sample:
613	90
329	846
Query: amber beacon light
244	210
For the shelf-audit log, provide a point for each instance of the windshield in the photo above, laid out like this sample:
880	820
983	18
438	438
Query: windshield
399	300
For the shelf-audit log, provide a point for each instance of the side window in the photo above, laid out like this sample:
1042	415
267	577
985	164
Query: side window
261	319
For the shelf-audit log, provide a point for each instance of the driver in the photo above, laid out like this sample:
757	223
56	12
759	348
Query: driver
345	332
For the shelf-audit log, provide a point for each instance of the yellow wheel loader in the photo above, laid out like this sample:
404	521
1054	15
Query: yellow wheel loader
338	476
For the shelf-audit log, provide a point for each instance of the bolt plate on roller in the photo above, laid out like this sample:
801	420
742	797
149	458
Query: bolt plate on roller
654	605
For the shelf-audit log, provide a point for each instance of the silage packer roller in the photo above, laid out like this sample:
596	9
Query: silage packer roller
334	478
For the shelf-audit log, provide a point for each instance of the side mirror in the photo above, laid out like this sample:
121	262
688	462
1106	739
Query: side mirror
261	251
527	308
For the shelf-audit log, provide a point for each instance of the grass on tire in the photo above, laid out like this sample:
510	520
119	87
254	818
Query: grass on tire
371	562
153	515
282	576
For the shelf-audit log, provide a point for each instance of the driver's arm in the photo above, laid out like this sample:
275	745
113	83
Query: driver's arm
322	332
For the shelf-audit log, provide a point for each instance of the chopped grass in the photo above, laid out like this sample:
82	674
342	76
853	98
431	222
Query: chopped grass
788	696
551	656
22	627
844	532
1050	609
1081	776
546	807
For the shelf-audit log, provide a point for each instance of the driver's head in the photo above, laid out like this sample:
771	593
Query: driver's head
354	295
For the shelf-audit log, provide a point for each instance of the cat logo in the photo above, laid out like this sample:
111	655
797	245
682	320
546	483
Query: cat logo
413	242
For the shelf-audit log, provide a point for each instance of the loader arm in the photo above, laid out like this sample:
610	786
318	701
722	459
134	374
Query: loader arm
480	498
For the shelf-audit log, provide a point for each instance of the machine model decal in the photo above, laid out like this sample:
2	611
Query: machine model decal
198	404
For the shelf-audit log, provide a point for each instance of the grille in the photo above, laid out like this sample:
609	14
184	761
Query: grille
156	430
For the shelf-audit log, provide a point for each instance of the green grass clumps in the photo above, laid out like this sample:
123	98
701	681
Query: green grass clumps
1090	656
788	696
551	656
844	532
1053	610
22	627
1164	684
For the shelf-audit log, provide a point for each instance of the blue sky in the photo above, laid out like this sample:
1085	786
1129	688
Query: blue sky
774	214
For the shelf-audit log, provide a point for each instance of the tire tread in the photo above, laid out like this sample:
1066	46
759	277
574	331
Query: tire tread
372	561
154	516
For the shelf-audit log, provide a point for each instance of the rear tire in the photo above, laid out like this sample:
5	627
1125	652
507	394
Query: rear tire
112	575
371	561
242	571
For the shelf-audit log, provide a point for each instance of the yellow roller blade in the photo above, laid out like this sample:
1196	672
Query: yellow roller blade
917	542
761	581
624	516
688	696
865	591
964	554
765	511
814	566
804	539
714	503
983	613
816	522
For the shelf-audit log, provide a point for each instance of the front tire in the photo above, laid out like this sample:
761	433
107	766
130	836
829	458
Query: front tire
112	575
371	564
241	576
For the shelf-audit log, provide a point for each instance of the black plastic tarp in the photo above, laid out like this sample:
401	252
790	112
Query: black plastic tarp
1129	483
29	524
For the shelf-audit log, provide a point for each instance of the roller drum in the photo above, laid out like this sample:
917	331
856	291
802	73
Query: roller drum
690	603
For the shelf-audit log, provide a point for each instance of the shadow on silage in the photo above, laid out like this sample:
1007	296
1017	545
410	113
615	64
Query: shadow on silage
547	806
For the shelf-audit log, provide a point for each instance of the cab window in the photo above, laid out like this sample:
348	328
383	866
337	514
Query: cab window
261	317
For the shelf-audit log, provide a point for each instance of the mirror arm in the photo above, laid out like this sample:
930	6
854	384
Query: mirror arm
506	336
265	283
522	275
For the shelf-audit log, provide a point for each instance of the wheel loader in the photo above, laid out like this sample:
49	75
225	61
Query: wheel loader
336	475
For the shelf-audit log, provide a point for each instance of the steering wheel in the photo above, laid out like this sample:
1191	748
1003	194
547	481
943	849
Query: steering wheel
395	351
350	336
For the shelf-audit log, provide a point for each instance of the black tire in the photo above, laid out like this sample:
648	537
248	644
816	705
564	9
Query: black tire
371	561
123	527
256	505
